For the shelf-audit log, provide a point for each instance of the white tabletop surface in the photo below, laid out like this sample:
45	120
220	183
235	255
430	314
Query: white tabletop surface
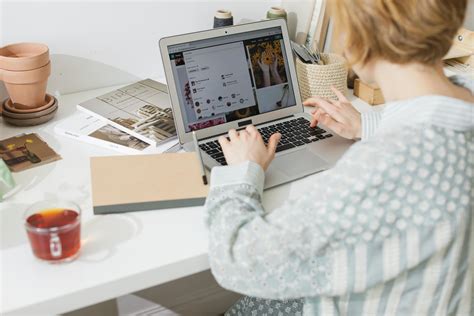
120	254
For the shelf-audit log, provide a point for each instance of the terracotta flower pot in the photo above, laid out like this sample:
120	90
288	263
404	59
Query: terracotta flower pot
23	56
25	68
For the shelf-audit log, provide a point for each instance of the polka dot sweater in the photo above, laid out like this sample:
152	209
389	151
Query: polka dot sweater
384	232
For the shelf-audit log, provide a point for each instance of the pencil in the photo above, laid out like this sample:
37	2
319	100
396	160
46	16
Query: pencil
198	152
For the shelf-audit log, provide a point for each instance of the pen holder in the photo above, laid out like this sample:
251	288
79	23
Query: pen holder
316	80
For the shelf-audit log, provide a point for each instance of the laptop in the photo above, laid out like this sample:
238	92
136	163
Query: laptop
231	77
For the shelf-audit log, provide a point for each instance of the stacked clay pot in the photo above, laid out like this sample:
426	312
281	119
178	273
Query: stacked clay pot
24	69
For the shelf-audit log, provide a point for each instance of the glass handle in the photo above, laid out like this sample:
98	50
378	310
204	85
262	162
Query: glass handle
55	246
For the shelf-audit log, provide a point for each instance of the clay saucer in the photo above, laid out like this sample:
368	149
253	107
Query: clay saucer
15	115
12	107
31	121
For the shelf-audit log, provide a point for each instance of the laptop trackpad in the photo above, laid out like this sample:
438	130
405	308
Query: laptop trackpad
299	163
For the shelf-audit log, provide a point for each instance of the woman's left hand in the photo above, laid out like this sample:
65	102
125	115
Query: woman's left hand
340	116
248	145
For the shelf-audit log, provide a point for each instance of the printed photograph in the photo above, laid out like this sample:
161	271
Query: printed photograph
136	107
26	151
151	121
114	135
268	65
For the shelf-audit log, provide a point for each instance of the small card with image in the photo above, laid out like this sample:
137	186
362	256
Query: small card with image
26	151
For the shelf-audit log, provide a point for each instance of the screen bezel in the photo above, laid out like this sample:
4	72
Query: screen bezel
185	137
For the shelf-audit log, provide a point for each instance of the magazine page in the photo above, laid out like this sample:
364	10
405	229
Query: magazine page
140	109
90	129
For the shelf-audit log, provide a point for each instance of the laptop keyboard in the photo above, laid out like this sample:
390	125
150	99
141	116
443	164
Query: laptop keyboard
294	133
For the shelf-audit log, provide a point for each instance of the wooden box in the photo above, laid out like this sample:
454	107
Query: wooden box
463	46
370	93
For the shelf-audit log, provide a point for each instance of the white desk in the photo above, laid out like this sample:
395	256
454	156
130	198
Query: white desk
120	253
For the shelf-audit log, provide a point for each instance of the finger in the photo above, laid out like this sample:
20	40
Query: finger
273	143
328	107
223	141
316	115
336	103
252	130
233	135
243	134
310	102
339	94
313	101
332	124
317	110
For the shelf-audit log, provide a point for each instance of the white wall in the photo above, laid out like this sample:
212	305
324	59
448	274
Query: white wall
102	43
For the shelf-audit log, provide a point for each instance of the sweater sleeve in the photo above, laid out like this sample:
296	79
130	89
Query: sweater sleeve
339	236
369	121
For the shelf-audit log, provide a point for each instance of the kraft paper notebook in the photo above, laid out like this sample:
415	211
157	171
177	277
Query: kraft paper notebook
146	182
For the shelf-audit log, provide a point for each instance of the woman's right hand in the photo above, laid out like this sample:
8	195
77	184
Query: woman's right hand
340	116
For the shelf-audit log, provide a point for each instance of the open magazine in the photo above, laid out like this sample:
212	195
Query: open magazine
141	110
89	129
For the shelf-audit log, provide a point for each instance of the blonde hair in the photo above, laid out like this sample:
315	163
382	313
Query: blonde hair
399	31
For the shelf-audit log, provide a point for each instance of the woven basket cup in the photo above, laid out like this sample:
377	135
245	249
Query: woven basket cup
316	80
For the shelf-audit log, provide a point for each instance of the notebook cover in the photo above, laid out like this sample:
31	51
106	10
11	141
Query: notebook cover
146	182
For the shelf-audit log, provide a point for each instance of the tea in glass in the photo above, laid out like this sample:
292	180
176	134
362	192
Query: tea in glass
54	230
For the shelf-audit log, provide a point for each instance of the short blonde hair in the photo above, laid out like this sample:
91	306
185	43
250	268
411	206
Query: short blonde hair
399	31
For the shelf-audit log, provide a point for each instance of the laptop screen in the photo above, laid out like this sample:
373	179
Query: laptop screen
232	77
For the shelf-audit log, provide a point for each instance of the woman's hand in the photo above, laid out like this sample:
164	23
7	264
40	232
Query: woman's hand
340	116
248	145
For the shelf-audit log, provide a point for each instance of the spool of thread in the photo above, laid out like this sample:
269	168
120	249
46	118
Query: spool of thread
223	18
276	13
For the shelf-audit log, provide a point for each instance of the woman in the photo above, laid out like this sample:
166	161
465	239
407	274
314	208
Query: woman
386	231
